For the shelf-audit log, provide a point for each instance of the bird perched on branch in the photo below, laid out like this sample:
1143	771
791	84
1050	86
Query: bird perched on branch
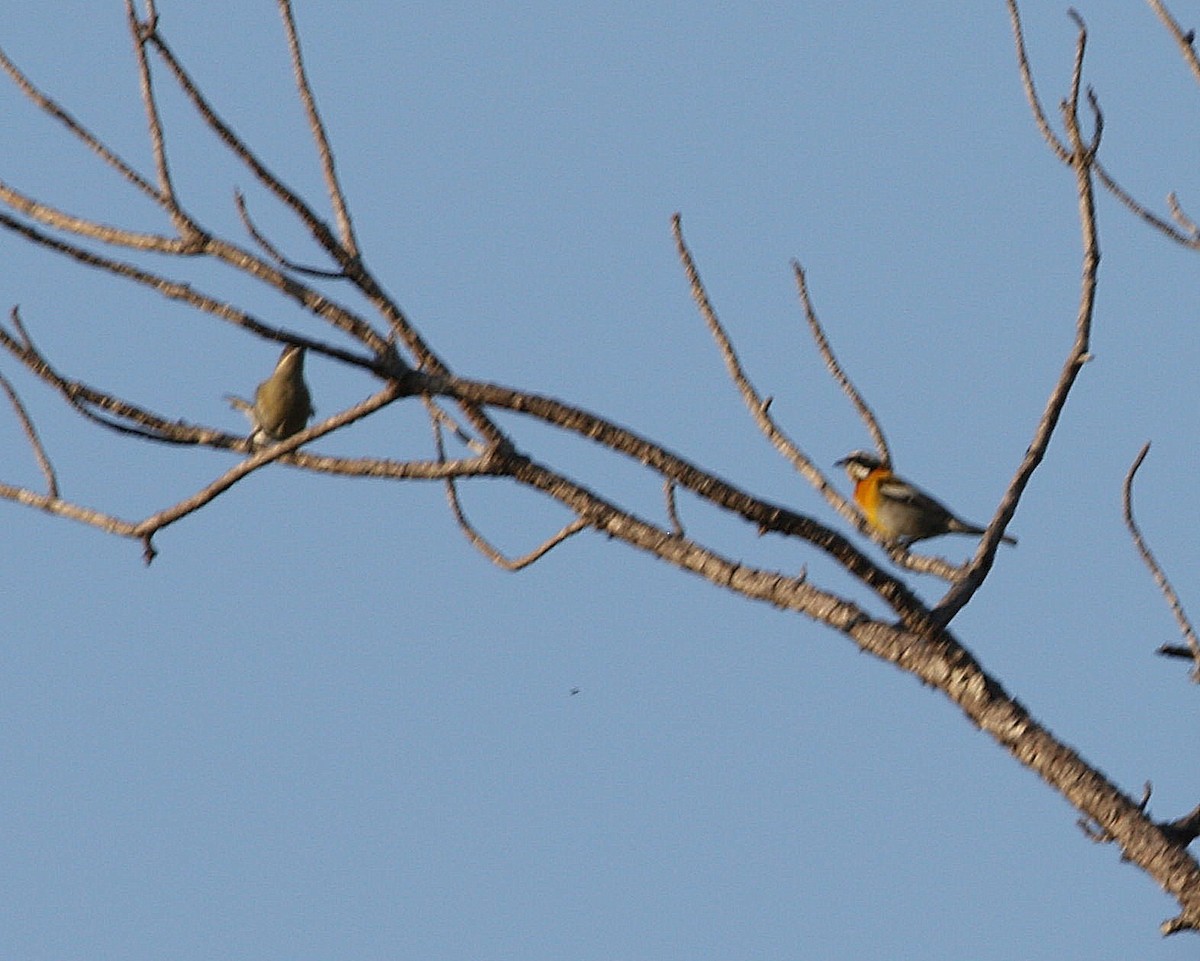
898	510
282	404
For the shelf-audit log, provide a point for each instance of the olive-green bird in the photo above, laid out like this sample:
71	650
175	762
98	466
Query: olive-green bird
282	404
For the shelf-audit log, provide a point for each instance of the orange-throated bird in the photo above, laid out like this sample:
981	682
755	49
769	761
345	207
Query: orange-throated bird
898	510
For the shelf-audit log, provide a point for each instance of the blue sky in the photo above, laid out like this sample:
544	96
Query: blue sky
321	725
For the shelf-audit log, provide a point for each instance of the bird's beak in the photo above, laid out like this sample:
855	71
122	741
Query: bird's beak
291	356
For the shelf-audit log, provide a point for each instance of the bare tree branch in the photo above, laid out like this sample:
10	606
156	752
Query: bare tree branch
760	410
1188	236
1039	114
1081	159
52	504
482	544
317	228
672	508
1184	231
80	226
139	31
347	260
1156	571
835	369
259	238
35	442
1184	40
317	129
52	108
765	516
1181	217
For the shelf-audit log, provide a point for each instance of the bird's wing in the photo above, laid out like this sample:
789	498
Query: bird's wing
895	489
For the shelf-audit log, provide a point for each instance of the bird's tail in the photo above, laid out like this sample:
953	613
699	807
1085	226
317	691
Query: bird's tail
962	527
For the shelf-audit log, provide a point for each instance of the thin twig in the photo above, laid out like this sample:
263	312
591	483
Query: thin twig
1081	160
1156	571
922	563
480	543
55	110
272	251
19	324
1098	122
835	368
93	229
1190	239
166	189
1184	39
1072	105
1035	104
54	505
1181	217
440	416
672	507
39	451
758	407
759	410
1175	650
317	128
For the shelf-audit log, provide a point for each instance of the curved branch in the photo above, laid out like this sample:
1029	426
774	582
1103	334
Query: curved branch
482	544
51	107
1081	159
1184	40
672	507
39	451
140	31
835	369
1156	571
1035	104
239	201
1188	236
336	197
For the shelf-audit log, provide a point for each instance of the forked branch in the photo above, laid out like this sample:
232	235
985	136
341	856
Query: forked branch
1081	159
